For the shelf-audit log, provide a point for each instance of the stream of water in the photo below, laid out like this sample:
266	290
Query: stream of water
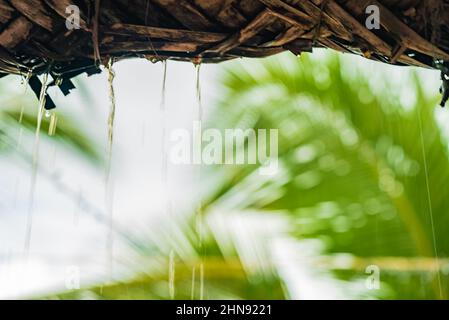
109	185
35	163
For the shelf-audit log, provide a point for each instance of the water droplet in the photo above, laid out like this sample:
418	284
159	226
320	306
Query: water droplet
53	124
35	164
164	128
108	184
171	275
19	139
192	292
198	91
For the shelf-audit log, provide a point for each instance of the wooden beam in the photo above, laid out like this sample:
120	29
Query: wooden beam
397	53
403	33
333	45
311	33
132	46
60	7
6	11
255	52
358	29
35	11
16	32
296	16
224	11
164	33
264	19
299	46
287	36
317	14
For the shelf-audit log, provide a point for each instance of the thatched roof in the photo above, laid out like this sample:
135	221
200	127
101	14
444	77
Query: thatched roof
34	36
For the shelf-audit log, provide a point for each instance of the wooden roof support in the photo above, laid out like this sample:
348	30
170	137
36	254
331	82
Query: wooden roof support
16	32
358	29
397	53
318	13
264	19
35	11
60	7
403	33
187	14
165	33
289	13
287	36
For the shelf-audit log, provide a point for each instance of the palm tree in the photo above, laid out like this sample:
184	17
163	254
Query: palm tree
363	165
365	161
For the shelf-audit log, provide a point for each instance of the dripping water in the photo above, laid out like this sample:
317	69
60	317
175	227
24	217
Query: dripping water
109	188
164	127
429	199
171	275
19	139
111	118
25	82
199	212
192	292
53	123
164	85
35	164
198	92
201	281
77	209
164	177
16	191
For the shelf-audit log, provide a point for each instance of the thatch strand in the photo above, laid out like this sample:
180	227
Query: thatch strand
34	35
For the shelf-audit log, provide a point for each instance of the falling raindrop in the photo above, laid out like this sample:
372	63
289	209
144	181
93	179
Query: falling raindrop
441	292
111	118
16	189
19	139
109	184
201	281
78	207
164	85
164	176
198	91
199	211
35	162
26	80
171	275
53	124
59	81
164	127
192	292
